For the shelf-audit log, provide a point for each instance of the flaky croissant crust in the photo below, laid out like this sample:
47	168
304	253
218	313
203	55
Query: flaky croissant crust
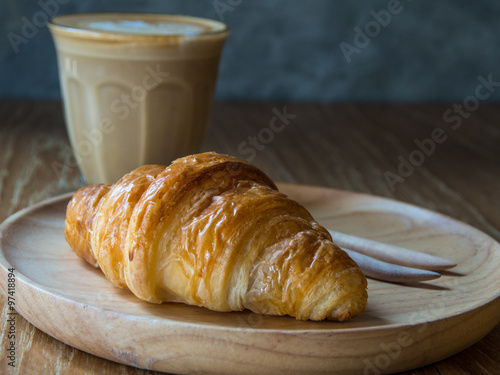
211	230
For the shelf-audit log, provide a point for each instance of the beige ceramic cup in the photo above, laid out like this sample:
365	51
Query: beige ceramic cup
137	88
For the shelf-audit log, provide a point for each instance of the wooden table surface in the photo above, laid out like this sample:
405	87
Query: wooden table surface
355	147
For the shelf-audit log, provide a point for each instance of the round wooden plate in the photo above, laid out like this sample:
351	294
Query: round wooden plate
403	327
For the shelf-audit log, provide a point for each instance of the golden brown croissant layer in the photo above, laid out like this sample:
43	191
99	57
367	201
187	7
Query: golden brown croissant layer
211	230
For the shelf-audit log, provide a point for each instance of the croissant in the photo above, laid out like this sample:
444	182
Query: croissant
211	230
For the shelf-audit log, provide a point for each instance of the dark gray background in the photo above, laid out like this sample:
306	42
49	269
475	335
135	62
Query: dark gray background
290	49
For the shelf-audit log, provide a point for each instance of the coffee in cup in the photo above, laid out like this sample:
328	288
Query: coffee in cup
137	88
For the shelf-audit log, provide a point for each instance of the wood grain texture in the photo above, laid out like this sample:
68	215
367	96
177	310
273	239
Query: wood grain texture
403	326
344	146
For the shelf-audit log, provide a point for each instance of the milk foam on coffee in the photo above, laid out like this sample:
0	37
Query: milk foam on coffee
142	27
146	24
137	88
